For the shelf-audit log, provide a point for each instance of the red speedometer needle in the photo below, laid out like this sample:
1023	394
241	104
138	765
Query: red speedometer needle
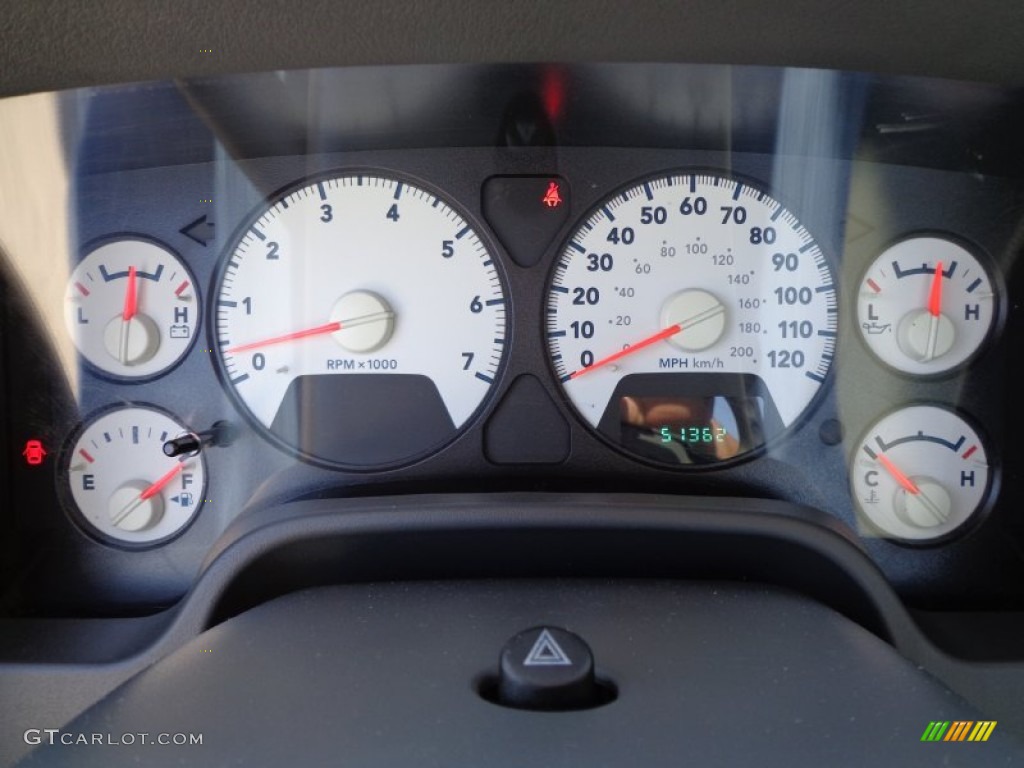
318	331
131	297
935	295
905	482
160	484
672	330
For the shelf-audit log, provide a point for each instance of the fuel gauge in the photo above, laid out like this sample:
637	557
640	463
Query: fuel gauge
920	473
926	305
123	485
132	308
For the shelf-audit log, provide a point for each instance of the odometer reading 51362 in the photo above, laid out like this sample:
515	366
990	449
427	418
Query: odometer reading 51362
691	302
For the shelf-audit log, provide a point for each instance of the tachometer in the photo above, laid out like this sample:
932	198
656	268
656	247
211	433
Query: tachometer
360	320
691	318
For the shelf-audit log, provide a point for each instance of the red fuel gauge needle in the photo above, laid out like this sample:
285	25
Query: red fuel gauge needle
661	335
905	482
160	484
935	295
148	493
317	331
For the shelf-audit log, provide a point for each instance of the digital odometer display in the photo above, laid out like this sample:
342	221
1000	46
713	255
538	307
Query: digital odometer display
691	288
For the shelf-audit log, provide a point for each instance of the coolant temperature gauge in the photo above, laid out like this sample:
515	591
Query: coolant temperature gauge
123	485
132	309
920	473
925	305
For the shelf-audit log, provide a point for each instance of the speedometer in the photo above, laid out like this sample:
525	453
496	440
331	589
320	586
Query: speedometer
691	318
360	320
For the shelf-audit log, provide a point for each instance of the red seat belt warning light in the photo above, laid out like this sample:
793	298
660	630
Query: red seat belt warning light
552	198
34	452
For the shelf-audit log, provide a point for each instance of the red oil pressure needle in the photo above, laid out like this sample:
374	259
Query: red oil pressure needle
905	482
935	295
672	330
318	331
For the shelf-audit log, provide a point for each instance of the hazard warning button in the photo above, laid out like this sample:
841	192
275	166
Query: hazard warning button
547	668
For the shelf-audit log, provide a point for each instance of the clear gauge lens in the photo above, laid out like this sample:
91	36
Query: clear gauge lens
132	308
691	318
124	487
926	305
920	474
360	320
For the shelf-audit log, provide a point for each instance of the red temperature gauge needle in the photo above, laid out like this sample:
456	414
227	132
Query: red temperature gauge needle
672	330
935	295
131	297
318	331
905	482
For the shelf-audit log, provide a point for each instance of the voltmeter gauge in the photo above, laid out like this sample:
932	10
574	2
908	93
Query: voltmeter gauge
123	487
926	305
132	308
920	474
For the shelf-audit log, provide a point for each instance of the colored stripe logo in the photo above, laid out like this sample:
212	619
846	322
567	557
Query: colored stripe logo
959	730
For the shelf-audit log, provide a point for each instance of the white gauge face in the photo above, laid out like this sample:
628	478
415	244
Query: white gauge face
920	473
691	318
132	308
360	320
925	305
123	485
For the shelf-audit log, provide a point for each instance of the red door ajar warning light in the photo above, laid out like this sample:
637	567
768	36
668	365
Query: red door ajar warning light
552	198
34	452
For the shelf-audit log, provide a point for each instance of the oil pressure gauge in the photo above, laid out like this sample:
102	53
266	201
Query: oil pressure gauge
920	474
926	305
131	308
123	486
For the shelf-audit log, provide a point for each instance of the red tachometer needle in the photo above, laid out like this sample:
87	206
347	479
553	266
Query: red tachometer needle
905	482
159	485
672	330
318	331
131	297
935	295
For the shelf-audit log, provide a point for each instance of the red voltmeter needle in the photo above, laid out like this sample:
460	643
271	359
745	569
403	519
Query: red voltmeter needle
318	331
160	484
905	482
935	295
672	330
131	296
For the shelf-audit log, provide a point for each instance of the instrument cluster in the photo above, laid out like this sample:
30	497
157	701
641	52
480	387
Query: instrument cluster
827	330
